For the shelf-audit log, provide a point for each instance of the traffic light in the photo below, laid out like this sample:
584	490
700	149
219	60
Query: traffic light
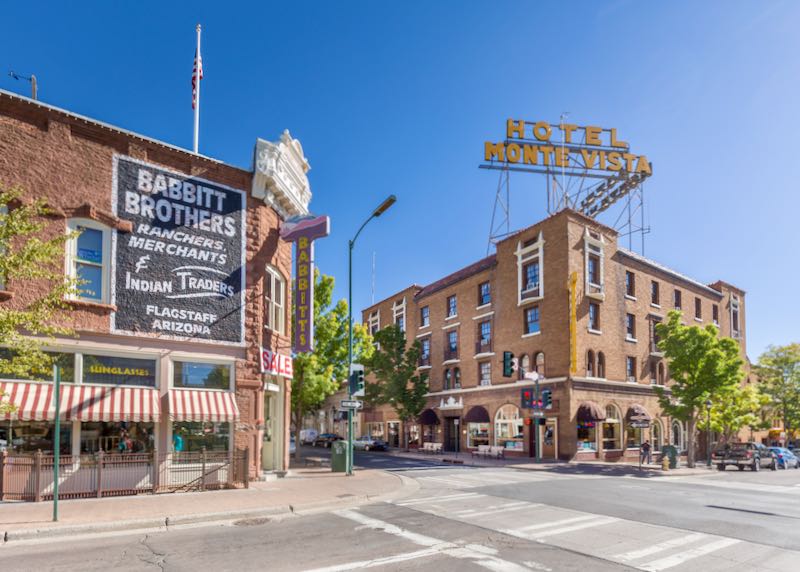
356	380
547	399
509	364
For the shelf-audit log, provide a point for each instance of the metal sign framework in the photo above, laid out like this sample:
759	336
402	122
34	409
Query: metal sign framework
574	184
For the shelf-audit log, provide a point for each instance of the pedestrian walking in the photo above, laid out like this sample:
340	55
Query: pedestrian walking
644	453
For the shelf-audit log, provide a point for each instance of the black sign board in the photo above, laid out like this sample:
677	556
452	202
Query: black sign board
180	273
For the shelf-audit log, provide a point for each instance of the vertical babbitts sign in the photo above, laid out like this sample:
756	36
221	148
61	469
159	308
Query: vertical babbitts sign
180	273
303	231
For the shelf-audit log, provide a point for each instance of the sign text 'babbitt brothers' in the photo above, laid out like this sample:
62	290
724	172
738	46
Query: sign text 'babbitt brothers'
180	272
534	143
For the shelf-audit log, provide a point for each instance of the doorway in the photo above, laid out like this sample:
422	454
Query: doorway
451	436
394	434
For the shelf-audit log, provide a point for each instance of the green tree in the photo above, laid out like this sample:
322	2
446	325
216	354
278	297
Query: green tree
702	365
734	409
323	372
778	371
397	382
31	265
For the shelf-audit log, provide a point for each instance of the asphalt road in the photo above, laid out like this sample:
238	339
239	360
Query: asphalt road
564	518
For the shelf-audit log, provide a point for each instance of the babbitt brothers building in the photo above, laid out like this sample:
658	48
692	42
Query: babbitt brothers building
571	304
182	340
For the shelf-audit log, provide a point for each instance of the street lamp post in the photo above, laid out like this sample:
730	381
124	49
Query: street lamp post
708	432
382	208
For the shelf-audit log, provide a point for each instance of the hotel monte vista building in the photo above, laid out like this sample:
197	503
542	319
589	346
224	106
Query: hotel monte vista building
599	361
185	282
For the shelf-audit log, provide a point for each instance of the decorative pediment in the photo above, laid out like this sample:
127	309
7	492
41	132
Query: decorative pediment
279	176
451	403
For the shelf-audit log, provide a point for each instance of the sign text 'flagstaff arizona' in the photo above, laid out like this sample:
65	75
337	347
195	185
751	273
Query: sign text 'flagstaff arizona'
303	231
565	145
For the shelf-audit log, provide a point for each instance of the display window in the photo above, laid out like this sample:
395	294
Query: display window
120	437
32	436
192	375
477	434
587	436
112	370
508	428
193	436
612	429
63	364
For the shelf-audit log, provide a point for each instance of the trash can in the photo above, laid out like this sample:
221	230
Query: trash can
670	452
339	457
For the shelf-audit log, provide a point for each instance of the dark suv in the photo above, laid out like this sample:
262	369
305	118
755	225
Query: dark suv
325	440
753	455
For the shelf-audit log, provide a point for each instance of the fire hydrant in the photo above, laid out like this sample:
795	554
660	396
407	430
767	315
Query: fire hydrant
665	463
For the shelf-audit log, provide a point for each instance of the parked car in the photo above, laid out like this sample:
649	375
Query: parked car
325	440
786	458
307	436
753	455
368	443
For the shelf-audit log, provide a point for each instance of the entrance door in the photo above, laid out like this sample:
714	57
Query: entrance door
268	442
549	439
451	440
394	434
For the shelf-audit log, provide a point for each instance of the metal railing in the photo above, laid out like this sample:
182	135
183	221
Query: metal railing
29	477
450	353
424	360
483	346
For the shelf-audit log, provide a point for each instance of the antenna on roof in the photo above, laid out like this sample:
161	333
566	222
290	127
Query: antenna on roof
31	78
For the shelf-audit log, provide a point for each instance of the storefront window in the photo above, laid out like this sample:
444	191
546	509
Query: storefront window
587	436
63	363
413	435
189	436
201	375
657	435
477	434
32	436
677	435
428	433
633	436
122	437
612	438
375	430
119	370
508	428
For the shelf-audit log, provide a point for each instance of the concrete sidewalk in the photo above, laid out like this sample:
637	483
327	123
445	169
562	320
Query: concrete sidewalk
303	490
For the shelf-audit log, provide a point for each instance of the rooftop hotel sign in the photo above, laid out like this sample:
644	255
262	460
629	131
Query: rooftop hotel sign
565	145
303	230
181	272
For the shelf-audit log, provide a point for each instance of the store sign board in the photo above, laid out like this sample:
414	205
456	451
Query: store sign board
181	272
273	363
303	231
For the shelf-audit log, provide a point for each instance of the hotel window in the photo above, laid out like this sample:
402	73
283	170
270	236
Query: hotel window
194	375
399	314
532	320
594	316
524	366
654	298
538	364
530	271
715	314
485	336
452	345
630	368
677	299
275	301
662	376
424	316
601	365
612	431
508	428
734	316
484	294
451	306
485	373
653	373
590	364
113	370
425	351
698	308
594	263
448	378
374	322
630	284
88	258
630	326
456	378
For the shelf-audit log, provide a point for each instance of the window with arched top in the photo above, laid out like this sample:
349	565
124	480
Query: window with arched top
677	435
274	300
601	365
657	434
448	378
590	364
524	365
662	376
457	378
508	428
612	429
539	365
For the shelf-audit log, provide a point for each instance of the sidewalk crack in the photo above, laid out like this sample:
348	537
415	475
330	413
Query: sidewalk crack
160	558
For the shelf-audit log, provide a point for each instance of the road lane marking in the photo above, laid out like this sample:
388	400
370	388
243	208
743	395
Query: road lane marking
386	560
660	547
681	557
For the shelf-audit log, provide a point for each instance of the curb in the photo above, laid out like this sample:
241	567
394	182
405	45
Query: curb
407	487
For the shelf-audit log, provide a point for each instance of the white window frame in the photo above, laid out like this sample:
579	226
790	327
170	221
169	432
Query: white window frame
595	246
736	307
374	322
276	309
399	311
189	358
3	211
423	323
71	259
527	255
450	316
484	382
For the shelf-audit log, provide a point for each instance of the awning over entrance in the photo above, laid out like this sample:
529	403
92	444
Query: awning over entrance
34	401
477	414
637	412
110	403
428	417
590	411
199	405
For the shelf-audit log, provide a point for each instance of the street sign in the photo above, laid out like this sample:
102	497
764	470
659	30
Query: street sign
532	376
537	413
640	424
351	404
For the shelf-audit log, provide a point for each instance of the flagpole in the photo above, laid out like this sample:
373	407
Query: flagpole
197	96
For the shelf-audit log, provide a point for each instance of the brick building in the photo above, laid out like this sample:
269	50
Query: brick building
601	376
186	278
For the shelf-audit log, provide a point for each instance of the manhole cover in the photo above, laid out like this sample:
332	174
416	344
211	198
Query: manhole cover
251	521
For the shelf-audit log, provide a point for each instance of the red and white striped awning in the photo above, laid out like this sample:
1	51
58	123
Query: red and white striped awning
34	401
202	405
110	403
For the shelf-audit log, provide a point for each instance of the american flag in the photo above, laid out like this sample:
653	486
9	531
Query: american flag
197	75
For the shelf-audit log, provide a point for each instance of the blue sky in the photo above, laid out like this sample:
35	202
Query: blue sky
398	97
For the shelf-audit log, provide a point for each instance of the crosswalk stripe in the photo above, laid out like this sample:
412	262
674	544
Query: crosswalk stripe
557	522
439	499
499	510
661	546
573	528
681	557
